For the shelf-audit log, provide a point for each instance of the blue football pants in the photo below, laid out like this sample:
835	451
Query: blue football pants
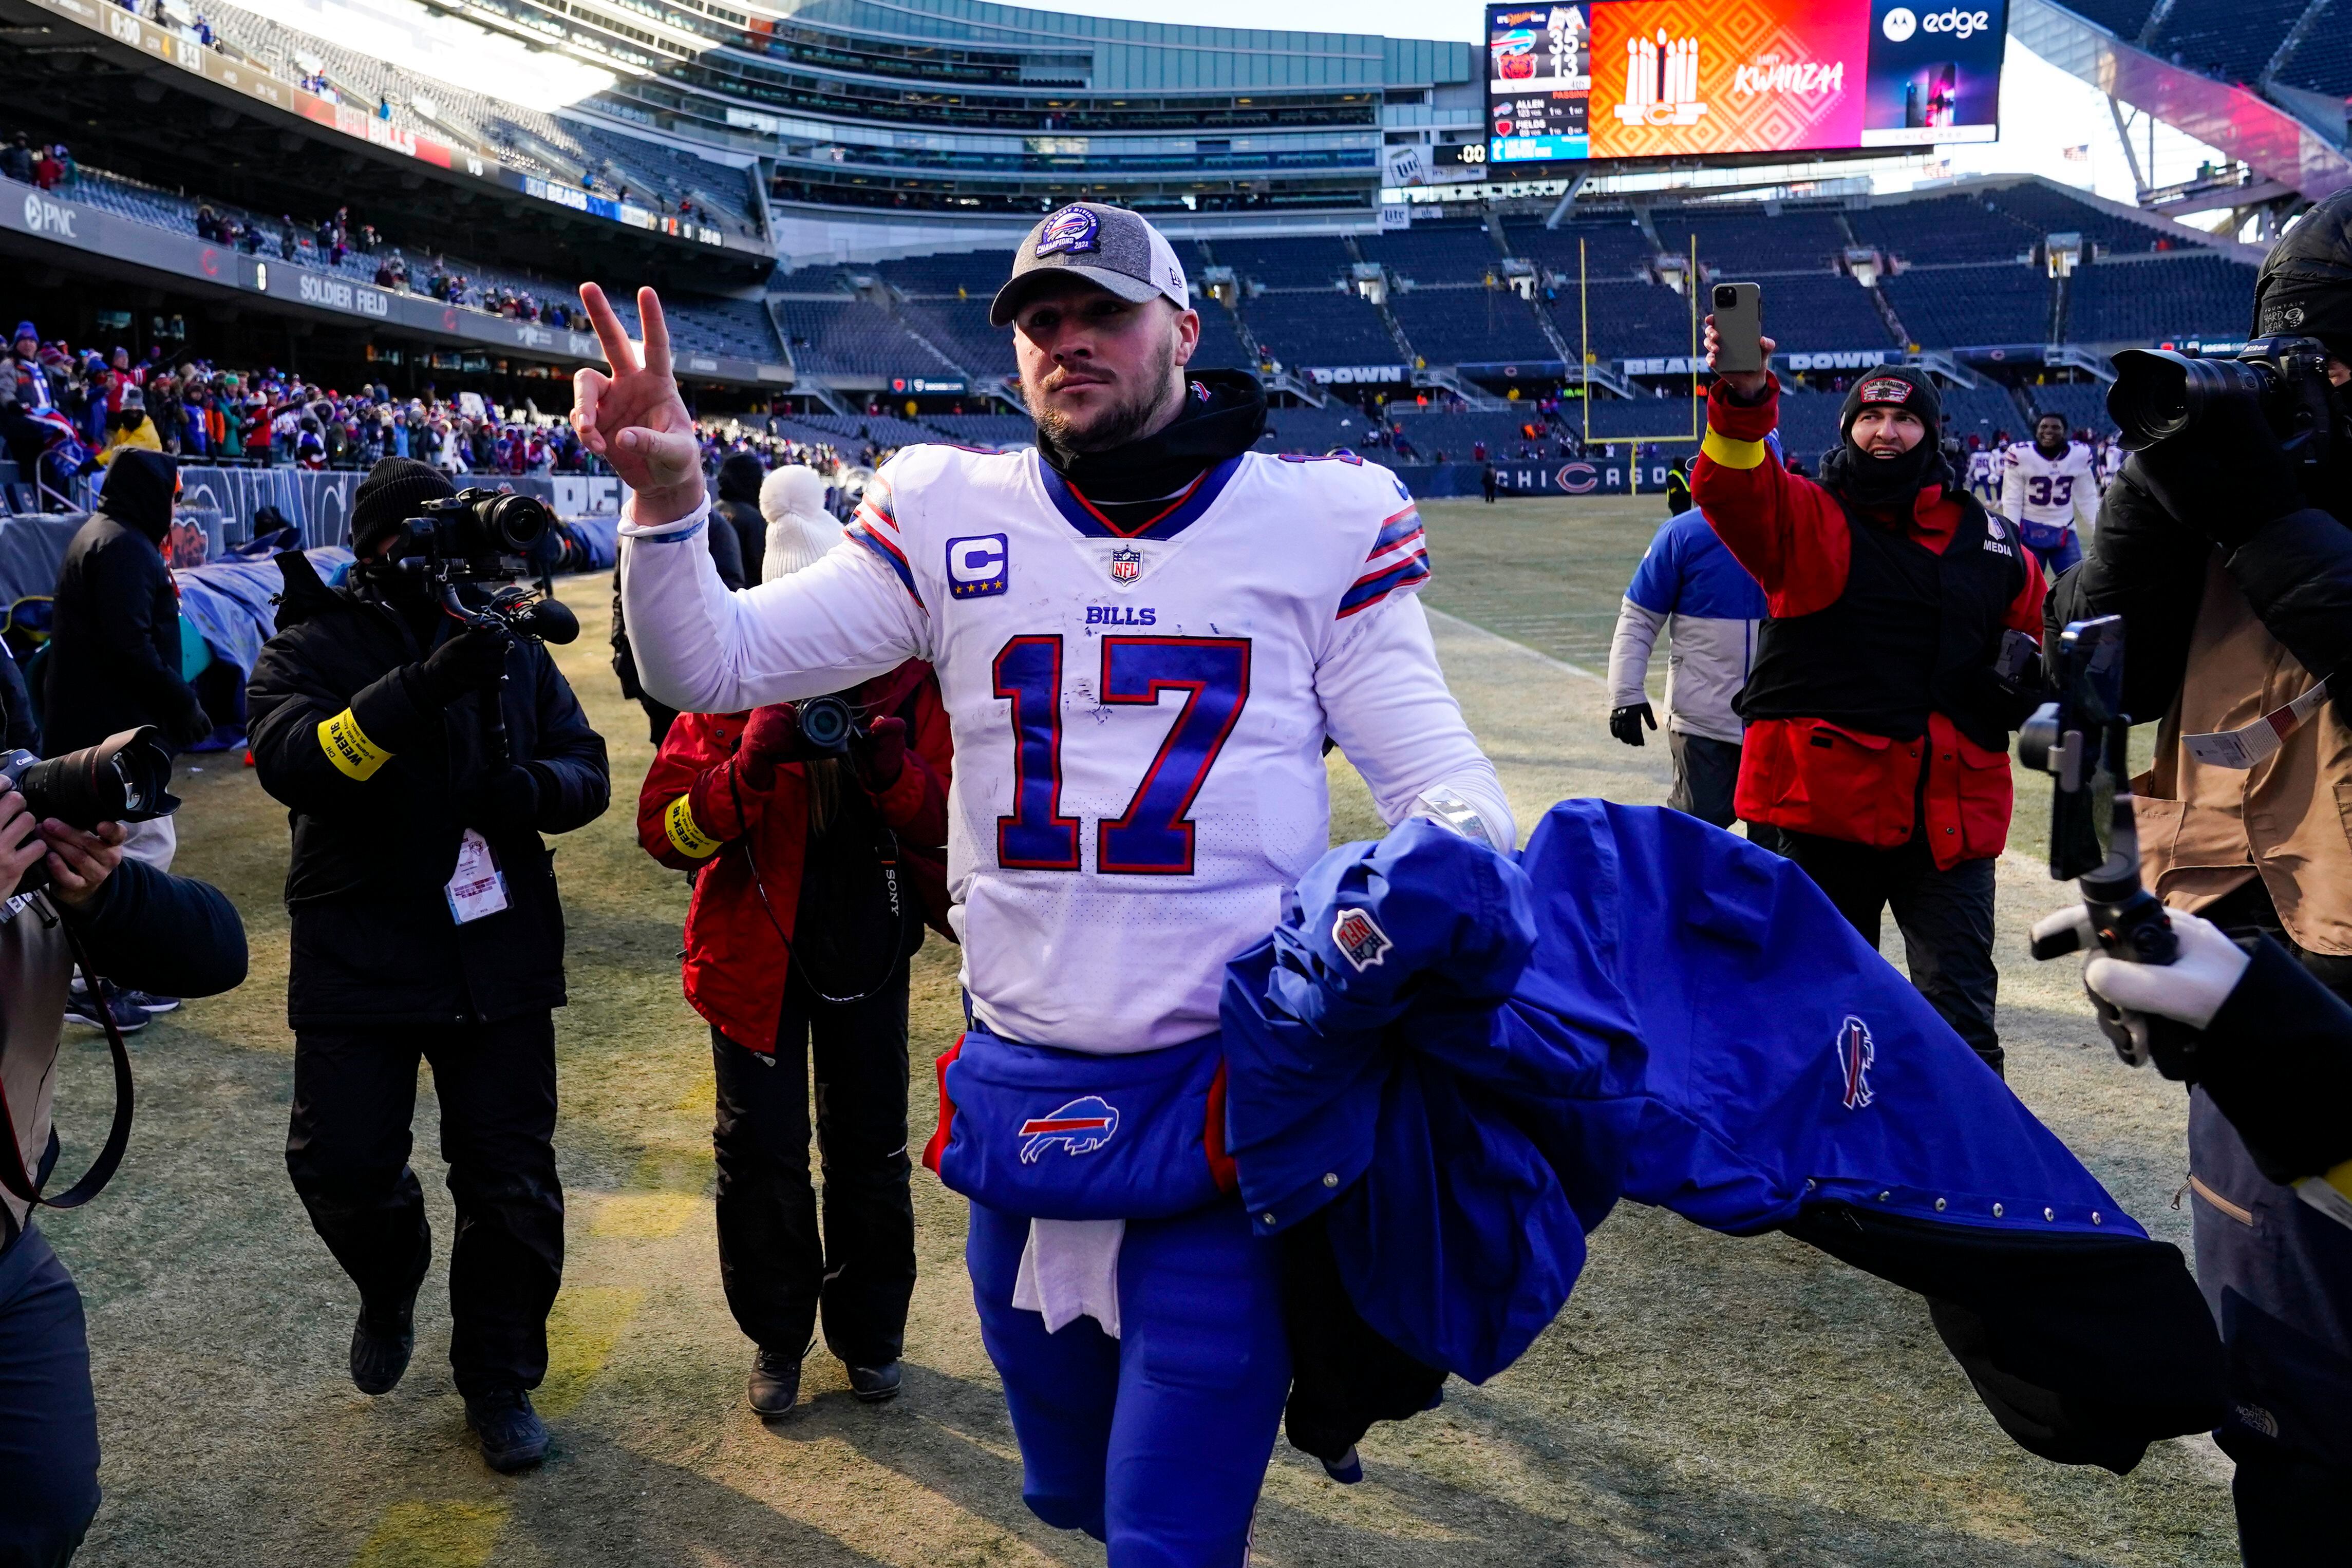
2056	549
1156	1442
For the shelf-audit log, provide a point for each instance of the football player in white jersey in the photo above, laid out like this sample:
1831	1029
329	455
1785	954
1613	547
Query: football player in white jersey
2048	486
1983	464
1144	632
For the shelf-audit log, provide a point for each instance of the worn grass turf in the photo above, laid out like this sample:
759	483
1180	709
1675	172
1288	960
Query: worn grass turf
1701	1400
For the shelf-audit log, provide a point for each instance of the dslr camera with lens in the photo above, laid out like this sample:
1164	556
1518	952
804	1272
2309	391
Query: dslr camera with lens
124	779
2159	392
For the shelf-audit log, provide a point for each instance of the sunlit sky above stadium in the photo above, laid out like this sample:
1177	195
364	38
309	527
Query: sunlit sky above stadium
2043	111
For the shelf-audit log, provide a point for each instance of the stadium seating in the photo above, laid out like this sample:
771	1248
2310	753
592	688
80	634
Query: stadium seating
1816	311
2322	61
520	137
1952	307
1980	410
1285	263
1750	243
851	336
2232	42
2148	301
2083	404
959	329
996	430
1456	431
2045	211
1435	253
1321	327
1611	248
978	273
737	329
1221	347
1628	319
1453	326
1675	417
1944	231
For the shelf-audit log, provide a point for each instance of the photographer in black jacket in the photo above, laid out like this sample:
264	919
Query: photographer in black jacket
2231	562
426	923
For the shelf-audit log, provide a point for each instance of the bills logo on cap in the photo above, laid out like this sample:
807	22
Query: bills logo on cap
1126	565
1081	1127
1887	389
1069	231
1856	1052
1361	941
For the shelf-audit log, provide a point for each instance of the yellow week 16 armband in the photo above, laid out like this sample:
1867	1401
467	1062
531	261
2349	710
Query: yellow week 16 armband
678	820
348	746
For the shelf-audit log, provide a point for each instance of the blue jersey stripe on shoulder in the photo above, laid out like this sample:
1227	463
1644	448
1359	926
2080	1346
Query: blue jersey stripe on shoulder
1370	589
891	556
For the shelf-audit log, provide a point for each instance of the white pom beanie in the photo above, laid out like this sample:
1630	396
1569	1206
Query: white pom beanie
800	530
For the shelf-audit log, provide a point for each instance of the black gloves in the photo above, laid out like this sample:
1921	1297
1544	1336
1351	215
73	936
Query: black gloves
507	800
2225	475
193	725
1625	722
472	660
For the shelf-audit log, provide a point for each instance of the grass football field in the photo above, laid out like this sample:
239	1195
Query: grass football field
1700	1401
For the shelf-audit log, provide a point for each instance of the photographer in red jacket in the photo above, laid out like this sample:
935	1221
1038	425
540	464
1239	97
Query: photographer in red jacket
814	873
1892	665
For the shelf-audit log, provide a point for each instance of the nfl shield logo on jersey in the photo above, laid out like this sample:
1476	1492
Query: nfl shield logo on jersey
1856	1052
1069	231
1126	565
1360	942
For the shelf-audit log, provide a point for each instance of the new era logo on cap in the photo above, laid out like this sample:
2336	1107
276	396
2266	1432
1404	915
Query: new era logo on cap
1111	247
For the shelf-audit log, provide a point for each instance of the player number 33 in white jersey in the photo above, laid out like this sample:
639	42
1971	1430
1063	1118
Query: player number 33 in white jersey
1138	713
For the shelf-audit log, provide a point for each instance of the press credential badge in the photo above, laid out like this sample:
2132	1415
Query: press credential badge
478	887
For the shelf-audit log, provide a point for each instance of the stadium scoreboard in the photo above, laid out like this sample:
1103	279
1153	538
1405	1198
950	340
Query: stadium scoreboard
1662	78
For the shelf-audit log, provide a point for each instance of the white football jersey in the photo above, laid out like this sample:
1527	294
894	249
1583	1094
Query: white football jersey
2050	492
1138	713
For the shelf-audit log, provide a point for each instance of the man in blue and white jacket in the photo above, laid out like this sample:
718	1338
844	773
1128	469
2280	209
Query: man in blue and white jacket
1688	579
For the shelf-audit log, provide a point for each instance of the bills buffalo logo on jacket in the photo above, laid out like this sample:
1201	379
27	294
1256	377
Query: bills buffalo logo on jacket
1082	1126
1856	1052
1069	231
1359	941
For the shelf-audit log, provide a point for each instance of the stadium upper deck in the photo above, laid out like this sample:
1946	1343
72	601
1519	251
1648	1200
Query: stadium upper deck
962	105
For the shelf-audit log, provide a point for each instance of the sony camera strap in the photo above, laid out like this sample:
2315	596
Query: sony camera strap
19	1181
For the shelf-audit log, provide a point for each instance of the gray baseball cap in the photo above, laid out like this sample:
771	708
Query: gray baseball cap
1106	246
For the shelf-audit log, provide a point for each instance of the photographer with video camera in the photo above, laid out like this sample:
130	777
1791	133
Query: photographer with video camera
2226	548
816	832
69	894
423	740
1897	645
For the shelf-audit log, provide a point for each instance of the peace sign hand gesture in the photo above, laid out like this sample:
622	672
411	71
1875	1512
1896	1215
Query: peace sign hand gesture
634	418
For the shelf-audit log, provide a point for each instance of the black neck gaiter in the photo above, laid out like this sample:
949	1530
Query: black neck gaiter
1224	414
1880	485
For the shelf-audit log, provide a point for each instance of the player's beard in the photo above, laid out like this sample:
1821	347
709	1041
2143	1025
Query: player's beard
1139	410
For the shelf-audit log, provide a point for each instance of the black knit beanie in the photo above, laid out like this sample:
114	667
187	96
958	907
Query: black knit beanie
390	496
1899	386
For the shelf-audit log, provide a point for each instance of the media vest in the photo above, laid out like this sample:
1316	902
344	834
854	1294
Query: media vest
1913	632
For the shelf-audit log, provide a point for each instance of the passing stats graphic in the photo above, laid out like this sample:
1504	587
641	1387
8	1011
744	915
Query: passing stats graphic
1651	79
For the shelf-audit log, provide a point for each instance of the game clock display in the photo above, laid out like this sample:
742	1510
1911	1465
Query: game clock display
1657	79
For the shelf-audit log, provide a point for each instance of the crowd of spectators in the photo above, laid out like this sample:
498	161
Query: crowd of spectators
48	165
76	407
